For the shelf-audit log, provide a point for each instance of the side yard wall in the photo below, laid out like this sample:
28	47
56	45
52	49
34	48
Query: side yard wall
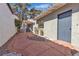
7	26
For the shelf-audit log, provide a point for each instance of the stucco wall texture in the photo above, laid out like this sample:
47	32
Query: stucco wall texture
7	26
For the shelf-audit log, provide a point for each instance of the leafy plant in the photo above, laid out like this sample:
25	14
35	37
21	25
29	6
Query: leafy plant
18	23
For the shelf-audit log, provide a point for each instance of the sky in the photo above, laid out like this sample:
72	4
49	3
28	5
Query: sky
40	6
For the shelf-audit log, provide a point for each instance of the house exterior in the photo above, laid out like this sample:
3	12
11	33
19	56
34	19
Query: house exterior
7	25
60	23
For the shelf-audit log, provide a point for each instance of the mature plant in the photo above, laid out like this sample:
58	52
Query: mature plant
18	23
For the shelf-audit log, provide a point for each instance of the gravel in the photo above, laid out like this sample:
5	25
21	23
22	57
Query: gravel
8	53
76	54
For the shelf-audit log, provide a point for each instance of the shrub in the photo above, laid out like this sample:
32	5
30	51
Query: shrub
18	23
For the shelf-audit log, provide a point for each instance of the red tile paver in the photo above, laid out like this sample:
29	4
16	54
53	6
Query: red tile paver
60	48
51	52
36	48
29	44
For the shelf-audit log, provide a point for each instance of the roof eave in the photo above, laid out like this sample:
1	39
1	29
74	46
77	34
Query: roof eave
51	10
10	7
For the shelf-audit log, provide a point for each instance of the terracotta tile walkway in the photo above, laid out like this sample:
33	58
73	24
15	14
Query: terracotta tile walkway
29	44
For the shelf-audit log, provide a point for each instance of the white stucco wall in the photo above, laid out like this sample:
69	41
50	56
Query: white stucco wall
50	29
7	26
50	23
75	28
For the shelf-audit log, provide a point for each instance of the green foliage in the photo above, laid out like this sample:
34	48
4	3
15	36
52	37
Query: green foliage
23	11
18	23
33	12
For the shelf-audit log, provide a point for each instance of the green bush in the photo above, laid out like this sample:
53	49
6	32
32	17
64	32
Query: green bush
18	23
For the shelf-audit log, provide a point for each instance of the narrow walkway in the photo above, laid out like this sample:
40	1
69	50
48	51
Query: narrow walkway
29	44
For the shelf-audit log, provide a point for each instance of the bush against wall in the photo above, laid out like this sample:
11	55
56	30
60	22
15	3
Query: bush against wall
18	23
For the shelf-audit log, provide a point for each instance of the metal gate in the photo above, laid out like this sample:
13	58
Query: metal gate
64	26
